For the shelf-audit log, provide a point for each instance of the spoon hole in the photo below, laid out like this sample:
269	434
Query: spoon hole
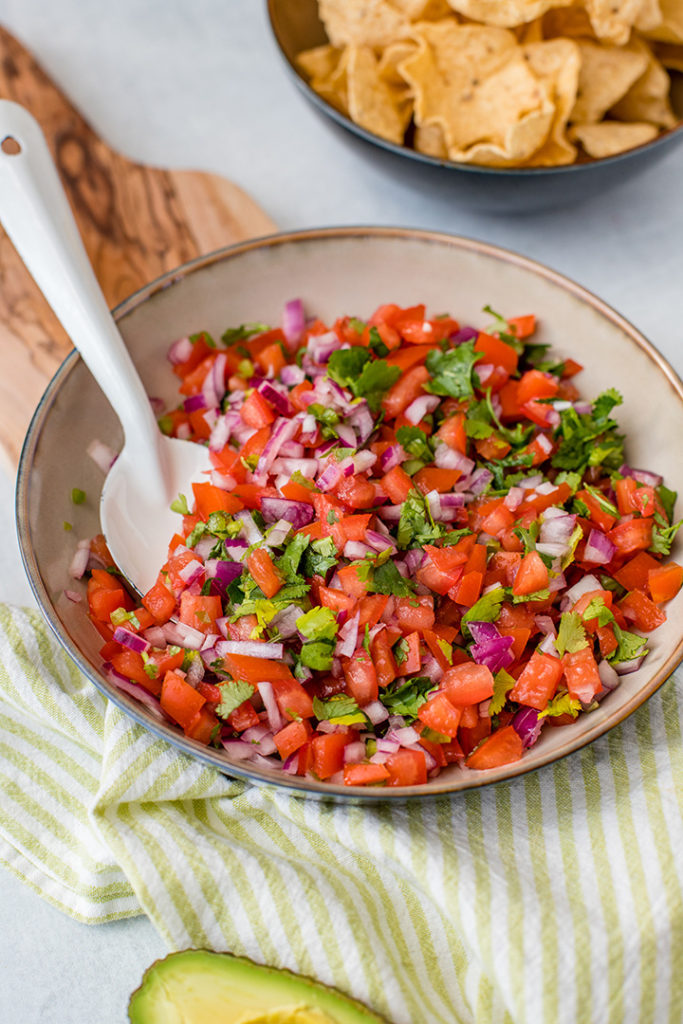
10	146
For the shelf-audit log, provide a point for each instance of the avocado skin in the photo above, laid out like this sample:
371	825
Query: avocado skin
198	986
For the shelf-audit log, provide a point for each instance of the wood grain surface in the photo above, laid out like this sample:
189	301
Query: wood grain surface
137	222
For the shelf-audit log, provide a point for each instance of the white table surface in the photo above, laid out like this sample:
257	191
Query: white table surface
201	85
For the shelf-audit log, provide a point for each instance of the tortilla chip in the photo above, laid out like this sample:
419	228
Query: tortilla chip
650	16
423	10
361	22
332	86
670	55
392	58
373	104
607	73
473	82
612	20
648	97
566	21
558	62
531	33
611	137
319	63
429	139
670	29
505	13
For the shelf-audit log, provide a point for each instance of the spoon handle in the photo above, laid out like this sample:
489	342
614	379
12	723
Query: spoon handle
37	217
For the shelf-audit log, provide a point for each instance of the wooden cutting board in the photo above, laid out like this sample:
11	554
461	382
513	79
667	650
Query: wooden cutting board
137	222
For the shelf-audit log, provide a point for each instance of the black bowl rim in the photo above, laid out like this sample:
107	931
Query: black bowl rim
662	140
295	785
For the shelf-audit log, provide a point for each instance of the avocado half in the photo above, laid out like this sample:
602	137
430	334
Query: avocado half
201	987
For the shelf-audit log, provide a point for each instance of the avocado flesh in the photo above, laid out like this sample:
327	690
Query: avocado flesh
200	987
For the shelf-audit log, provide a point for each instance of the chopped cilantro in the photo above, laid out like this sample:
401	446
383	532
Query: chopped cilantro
203	336
590	439
318	624
180	505
317	655
374	382
512	461
386	579
233	695
538	595
166	425
571	636
120	615
607	583
376	343
414	442
78	496
486	609
408	699
668	500
319	557
452	370
597	609
478	423
340	709
401	649
288	562
505	331
234	334
562	704
663	535
346	365
630	646
502	684
416	524
67	526
572	479
605	504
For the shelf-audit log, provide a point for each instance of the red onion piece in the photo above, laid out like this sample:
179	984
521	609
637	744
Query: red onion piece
376	712
527	725
643	476
237	750
293	323
180	351
102	455
354	752
275	719
464	334
420	407
79	562
599	550
276	398
449	458
251	648
298	513
194	402
135	690
609	677
131	640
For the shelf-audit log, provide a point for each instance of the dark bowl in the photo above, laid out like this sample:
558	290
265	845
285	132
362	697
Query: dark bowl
297	27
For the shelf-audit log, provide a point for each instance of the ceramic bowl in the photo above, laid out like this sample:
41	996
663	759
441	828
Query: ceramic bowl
297	27
335	271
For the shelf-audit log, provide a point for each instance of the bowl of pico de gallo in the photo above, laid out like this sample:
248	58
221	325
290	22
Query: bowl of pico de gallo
438	543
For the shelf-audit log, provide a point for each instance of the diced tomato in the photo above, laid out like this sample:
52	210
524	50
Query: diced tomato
452	432
365	774
203	726
266	576
256	411
335	599
256	670
406	389
159	602
180	700
200	350
535	384
351	582
581	605
631	536
292	699
467	590
243	717
349	528
371	608
665	582
641	612
531	576
440	715
468	683
503	747
361	678
431	478
209	498
328	754
356	492
406	768
397	484
496	351
200	612
415	613
383	659
522	326
538	681
599	515
634	574
271	360
130	664
581	674
291	738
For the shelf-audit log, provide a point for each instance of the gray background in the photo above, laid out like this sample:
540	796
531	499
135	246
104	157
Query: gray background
200	85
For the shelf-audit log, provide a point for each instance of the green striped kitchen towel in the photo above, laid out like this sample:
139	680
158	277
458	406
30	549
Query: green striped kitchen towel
555	898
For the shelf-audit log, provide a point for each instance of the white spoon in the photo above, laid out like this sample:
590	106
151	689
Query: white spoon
151	469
